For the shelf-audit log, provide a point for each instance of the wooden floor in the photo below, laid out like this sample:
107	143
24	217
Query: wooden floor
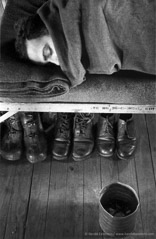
54	200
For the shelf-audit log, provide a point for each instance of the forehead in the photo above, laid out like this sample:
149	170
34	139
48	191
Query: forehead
35	48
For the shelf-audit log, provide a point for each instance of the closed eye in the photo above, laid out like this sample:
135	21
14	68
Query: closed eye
47	52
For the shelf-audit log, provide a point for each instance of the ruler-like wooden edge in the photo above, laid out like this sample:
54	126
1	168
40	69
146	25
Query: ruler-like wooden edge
12	108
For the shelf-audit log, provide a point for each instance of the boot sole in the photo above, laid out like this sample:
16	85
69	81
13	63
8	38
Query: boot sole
9	157
106	156
125	158
59	158
82	158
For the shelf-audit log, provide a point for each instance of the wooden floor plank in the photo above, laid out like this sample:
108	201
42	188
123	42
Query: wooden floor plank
146	181
73	225
128	175
19	201
109	170
7	173
36	218
92	188
56	201
151	126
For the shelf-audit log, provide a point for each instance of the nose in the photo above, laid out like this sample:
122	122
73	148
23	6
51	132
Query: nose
54	59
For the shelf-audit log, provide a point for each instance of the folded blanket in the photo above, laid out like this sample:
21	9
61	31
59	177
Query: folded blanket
18	78
102	36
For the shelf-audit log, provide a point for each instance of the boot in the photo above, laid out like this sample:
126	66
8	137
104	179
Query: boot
105	139
11	146
83	141
126	137
34	139
63	134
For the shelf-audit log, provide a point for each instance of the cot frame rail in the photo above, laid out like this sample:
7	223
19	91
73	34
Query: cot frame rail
12	108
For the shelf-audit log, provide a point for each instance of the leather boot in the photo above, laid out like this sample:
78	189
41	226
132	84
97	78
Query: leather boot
126	138
83	141
105	138
63	134
11	146
34	139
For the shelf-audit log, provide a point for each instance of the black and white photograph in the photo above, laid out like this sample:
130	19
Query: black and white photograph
77	119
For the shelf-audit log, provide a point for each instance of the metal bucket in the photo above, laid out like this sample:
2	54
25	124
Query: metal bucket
118	207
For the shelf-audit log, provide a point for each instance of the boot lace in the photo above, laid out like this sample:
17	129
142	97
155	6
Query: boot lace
108	127
12	127
123	129
32	129
63	124
82	121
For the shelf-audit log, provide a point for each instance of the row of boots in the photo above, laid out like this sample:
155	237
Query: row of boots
23	132
77	134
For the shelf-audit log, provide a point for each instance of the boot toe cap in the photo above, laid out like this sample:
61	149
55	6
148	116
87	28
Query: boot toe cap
60	150
126	151
105	148
82	150
34	155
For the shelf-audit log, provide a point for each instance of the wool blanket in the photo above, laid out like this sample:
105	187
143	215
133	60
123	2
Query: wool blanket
101	36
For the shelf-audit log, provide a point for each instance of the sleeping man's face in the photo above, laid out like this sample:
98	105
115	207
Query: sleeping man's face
42	50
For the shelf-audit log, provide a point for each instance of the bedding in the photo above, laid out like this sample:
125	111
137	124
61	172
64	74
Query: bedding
26	81
114	35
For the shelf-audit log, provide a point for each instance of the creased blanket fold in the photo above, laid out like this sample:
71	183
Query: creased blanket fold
20	79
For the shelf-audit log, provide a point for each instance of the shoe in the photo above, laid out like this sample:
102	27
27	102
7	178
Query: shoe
83	141
34	139
126	138
11	147
105	138
62	138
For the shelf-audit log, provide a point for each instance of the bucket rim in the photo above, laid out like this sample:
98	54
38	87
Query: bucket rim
123	184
